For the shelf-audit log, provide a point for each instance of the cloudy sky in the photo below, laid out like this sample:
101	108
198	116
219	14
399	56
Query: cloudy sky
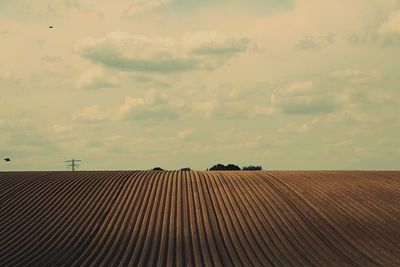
133	84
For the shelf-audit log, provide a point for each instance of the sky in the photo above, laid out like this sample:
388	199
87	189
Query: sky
134	84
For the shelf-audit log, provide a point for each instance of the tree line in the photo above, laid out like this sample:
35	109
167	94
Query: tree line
221	167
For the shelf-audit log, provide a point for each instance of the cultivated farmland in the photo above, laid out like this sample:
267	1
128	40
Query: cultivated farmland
145	218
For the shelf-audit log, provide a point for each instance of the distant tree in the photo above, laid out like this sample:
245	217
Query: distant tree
222	167
186	169
218	167
252	168
232	167
157	169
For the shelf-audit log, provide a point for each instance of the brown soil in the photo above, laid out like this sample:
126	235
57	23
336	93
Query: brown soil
144	218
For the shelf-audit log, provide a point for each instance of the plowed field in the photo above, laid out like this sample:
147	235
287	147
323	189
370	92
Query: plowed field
145	218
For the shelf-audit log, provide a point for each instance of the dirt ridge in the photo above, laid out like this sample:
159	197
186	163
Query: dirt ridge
195	218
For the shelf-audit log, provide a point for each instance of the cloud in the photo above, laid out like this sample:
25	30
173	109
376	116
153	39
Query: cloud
228	101
220	106
23	138
89	115
355	76
52	59
302	98
115	144
185	134
308	105
391	26
384	33
6	74
60	129
6	34
308	125
137	53
138	7
27	9
96	78
388	32
316	42
299	88
234	110
374	38
261	6
153	106
214	44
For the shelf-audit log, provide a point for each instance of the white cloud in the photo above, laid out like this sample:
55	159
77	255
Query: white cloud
355	76
52	59
113	138
207	107
129	104
115	143
345	74
60	129
138	53
37	10
6	74
226	108
391	26
302	98
299	88
207	43
362	151
184	134
96	78
153	106
6	34
316	42
90	115
263	110
138	7
308	125
385	32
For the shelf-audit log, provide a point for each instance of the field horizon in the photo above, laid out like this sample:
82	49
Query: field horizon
205	170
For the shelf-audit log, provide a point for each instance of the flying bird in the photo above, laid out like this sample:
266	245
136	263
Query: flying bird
51	27
7	159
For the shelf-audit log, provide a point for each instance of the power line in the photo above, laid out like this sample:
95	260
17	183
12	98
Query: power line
73	163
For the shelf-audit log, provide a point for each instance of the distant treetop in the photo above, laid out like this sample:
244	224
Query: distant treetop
233	167
252	168
157	169
222	167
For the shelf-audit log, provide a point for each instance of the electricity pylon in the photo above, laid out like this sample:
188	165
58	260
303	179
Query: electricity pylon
74	163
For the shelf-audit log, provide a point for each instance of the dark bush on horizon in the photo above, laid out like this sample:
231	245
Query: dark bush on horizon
222	167
157	169
252	168
186	169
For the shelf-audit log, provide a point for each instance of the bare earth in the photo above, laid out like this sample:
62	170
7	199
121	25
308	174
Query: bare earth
143	218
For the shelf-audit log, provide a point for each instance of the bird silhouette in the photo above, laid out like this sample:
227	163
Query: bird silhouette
51	27
7	159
